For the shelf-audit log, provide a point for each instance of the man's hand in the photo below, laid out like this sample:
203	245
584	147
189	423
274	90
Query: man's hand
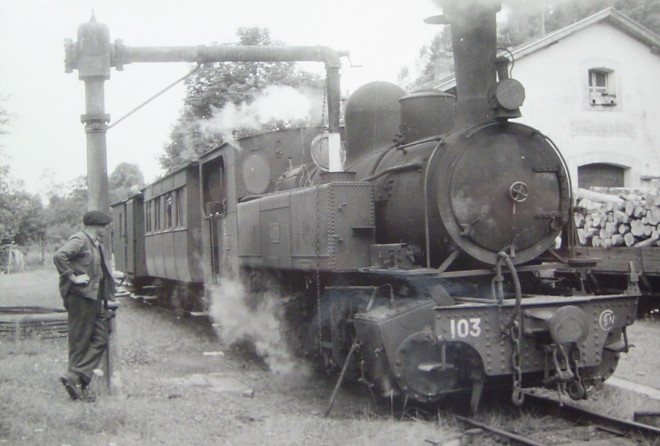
82	279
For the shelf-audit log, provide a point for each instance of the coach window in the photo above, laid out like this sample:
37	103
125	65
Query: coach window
122	224
179	207
147	213
157	214
214	194
168	210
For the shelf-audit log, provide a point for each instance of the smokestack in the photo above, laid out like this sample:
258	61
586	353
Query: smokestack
474	35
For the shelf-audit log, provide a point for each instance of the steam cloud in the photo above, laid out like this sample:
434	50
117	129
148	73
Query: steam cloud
237	321
275	103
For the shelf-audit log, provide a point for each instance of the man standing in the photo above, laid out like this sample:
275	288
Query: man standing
85	282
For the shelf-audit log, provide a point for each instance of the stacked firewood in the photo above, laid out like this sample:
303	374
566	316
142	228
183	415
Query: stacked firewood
618	216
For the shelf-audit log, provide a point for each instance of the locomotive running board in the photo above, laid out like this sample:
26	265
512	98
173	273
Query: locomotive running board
485	272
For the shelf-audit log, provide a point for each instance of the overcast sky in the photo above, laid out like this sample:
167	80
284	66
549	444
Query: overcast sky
47	141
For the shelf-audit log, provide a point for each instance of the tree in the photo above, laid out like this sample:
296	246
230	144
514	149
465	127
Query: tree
68	201
127	179
527	20
433	62
5	118
67	204
21	213
217	85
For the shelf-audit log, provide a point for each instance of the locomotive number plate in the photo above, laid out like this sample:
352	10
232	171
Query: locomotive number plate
463	328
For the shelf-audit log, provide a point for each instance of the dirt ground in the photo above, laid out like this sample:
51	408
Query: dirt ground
176	383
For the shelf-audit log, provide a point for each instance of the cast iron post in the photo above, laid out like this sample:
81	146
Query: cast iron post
92	56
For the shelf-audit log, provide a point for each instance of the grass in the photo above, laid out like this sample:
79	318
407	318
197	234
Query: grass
148	407
34	287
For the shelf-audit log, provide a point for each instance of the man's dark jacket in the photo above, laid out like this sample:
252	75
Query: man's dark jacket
76	256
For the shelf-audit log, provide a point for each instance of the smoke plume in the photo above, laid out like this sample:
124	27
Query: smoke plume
275	103
237	318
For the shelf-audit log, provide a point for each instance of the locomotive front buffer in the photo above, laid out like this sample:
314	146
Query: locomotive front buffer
569	345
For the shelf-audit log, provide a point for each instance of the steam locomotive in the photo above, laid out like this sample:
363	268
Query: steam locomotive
425	266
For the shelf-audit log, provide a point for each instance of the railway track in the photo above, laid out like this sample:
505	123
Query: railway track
25	321
558	424
548	422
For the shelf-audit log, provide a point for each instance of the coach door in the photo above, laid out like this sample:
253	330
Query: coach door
135	236
215	203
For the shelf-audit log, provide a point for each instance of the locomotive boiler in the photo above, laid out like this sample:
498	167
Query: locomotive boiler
424	267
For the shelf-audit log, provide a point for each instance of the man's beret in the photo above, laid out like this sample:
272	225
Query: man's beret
96	218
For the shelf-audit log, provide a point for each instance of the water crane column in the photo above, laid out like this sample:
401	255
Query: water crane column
92	55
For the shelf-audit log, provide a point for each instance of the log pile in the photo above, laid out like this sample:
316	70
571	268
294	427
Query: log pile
618	216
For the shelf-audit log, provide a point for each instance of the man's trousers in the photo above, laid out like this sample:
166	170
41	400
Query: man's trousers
88	335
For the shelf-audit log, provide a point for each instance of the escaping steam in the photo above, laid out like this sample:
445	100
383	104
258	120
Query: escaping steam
274	104
242	317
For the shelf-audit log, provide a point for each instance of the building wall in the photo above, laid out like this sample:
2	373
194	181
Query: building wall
557	101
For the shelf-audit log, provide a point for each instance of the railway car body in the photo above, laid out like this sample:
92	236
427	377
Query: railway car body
128	237
157	243
172	226
420	268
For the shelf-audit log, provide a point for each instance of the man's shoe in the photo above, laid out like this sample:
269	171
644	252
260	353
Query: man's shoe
88	396
70	388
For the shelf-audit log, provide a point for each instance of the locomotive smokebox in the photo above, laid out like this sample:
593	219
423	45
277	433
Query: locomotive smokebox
425	114
372	118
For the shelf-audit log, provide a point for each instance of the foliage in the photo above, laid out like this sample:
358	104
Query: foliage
527	20
21	213
67	204
430	62
25	220
216	85
127	179
5	119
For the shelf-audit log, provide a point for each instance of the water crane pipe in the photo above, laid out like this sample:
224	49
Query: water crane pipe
93	56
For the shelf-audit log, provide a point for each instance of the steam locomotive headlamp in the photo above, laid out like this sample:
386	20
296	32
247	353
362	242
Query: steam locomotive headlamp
509	94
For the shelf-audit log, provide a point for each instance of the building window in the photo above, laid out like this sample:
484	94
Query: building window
602	91
600	174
